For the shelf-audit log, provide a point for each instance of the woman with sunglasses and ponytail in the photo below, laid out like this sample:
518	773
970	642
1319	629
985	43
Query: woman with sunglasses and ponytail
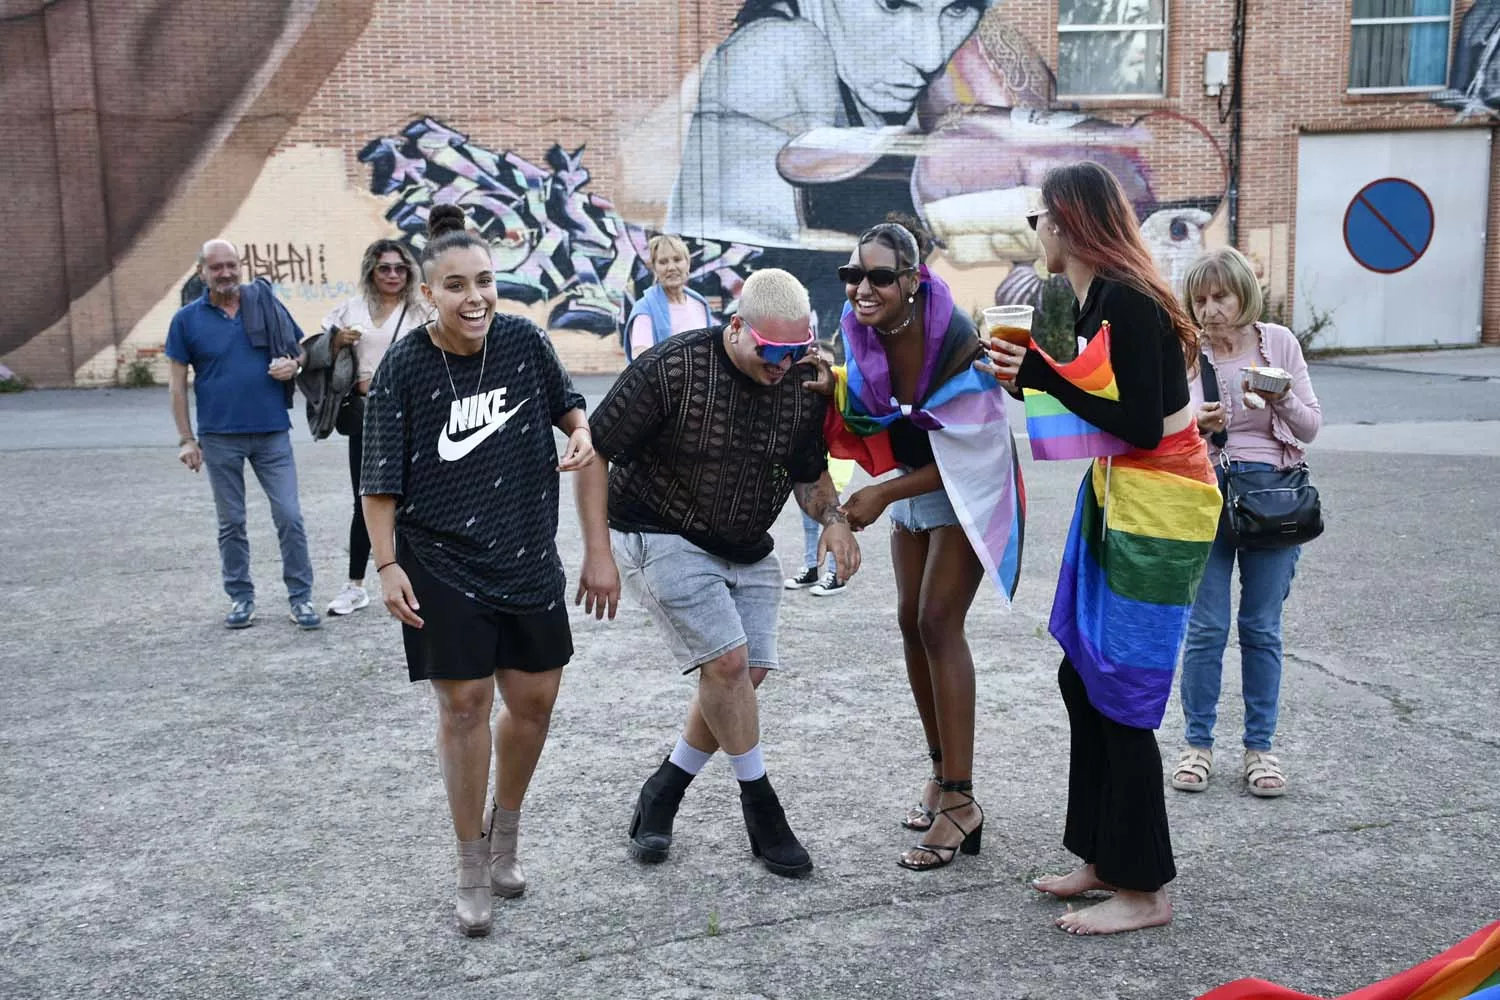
911	400
1144	523
387	307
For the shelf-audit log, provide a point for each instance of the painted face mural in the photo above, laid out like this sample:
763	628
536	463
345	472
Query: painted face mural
937	109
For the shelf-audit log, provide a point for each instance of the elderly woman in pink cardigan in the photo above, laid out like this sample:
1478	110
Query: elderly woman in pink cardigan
1265	431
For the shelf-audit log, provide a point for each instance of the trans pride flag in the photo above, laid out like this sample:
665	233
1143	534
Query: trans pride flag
1141	532
963	411
1470	969
1056	432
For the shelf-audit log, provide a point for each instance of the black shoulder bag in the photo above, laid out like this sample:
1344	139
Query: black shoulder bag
1263	509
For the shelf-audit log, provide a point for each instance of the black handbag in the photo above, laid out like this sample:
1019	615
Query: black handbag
1263	508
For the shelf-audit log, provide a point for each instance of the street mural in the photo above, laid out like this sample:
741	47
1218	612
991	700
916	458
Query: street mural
816	117
1474	81
553	242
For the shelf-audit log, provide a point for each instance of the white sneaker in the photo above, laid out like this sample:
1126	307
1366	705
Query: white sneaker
829	586
350	600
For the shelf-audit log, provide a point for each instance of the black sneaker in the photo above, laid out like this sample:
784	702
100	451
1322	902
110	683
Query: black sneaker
829	586
807	579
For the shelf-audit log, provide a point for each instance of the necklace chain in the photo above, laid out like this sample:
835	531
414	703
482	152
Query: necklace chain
911	314
484	355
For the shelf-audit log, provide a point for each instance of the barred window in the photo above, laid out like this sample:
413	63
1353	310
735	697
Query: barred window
1399	45
1108	48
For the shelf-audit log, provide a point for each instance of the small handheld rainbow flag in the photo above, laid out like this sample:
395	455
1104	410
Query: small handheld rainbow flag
1058	434
1470	969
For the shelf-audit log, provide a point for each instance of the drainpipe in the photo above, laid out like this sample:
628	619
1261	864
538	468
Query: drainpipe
1237	58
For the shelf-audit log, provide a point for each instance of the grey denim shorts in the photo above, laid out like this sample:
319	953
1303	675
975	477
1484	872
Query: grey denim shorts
703	605
923	512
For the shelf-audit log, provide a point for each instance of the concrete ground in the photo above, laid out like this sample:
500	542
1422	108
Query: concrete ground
191	812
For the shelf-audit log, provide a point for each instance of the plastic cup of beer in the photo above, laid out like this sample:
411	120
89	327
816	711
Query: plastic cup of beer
1009	323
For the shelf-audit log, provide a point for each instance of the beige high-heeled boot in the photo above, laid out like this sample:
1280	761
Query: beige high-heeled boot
472	906
504	826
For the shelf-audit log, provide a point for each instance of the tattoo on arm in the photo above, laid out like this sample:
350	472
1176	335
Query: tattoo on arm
819	501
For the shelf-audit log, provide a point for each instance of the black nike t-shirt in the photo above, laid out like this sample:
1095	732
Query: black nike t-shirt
467	450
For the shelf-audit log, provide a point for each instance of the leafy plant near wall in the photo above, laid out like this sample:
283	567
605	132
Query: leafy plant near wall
140	373
1052	327
1320	321
1052	324
10	381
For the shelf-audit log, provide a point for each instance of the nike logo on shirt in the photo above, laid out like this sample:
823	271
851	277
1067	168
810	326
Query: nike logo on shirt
478	417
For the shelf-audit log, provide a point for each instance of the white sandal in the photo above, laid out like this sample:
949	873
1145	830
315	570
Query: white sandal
1260	764
1193	763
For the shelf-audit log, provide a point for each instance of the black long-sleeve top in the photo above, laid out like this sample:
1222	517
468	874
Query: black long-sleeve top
1150	371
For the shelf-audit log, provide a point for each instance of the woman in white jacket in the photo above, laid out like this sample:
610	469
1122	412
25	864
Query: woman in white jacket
386	308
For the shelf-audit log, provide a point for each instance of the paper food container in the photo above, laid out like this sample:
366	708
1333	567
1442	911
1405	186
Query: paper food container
1267	379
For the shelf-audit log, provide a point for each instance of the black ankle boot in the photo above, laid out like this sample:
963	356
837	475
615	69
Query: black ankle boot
771	839
651	826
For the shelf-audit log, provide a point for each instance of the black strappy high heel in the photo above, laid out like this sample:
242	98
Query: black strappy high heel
919	817
943	854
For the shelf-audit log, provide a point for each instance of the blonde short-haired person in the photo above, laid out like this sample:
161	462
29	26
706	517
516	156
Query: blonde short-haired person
708	435
669	306
1222	296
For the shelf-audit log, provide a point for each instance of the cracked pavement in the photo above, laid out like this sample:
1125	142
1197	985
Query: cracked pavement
193	812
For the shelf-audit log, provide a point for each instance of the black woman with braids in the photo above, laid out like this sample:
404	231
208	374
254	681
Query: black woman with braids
909	399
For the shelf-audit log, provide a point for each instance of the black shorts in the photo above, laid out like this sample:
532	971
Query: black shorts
464	640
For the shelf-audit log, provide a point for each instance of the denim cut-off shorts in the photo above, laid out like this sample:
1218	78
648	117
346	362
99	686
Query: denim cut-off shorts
923	512
704	606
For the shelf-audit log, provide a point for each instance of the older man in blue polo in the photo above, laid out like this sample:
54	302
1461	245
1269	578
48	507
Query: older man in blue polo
243	348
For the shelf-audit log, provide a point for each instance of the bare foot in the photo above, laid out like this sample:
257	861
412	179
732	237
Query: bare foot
1082	880
1127	910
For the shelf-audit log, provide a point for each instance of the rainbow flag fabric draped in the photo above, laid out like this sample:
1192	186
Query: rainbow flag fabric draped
1056	432
1470	970
962	410
1140	537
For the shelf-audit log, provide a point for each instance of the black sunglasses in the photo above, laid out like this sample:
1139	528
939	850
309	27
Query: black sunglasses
880	277
1031	220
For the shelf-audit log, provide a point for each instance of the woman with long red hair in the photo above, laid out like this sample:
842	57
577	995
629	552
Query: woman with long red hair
1145	520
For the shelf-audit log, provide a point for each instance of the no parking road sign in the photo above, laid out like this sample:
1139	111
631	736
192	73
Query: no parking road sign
1388	226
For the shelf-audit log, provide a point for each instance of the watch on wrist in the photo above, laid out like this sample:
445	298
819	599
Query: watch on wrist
186	440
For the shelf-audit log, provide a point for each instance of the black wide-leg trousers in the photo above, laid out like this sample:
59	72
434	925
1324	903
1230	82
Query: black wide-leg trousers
1117	810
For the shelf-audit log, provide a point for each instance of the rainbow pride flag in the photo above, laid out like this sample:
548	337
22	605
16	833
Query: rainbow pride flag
1470	969
1057	433
1141	533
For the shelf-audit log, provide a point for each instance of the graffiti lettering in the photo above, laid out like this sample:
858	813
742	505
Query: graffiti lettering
552	241
283	263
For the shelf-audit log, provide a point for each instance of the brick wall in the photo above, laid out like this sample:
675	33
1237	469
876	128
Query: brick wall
125	161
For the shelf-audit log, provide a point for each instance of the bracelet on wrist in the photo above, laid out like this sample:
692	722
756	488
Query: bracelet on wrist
187	440
385	566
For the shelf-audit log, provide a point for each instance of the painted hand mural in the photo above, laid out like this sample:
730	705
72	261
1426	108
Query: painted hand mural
552	241
148	141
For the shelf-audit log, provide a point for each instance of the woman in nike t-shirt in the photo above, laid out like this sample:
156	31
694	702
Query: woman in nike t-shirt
460	485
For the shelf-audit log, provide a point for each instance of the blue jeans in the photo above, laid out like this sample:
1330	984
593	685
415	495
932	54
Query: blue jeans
270	456
1265	581
812	531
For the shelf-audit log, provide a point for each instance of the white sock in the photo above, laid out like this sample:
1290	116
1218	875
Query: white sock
688	757
748	766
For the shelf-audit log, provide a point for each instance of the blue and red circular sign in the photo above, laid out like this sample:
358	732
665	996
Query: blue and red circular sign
1388	226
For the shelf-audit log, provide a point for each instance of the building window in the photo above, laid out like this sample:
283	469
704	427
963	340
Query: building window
1399	45
1111	48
